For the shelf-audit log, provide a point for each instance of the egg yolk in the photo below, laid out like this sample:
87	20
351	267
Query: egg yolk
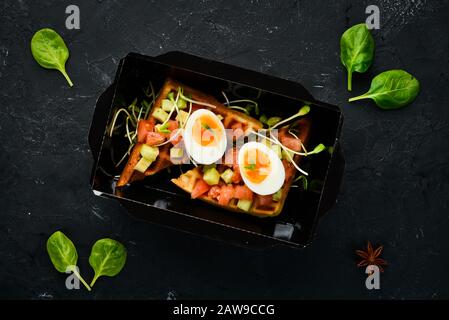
257	165
206	131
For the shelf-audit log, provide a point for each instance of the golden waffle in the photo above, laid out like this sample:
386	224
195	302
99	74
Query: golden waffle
188	180
231	118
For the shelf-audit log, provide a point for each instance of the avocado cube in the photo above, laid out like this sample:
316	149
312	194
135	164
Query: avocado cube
176	153
208	166
143	165
211	176
244	205
227	175
278	195
182	104
182	116
167	105
149	152
160	115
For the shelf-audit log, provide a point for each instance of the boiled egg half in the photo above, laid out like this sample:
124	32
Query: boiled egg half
204	137
261	169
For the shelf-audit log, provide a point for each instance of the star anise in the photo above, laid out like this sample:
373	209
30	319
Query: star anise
371	257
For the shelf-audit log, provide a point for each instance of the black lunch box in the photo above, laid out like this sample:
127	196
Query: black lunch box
156	199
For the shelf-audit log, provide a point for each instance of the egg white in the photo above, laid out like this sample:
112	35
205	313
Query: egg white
204	154
275	178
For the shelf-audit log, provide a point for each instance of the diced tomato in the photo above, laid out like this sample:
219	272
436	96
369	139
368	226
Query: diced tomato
265	200
214	192
289	169
236	177
154	138
288	140
178	137
200	188
172	125
143	127
243	192
226	195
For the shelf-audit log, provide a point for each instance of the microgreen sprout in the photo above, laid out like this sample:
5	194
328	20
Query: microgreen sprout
302	112
196	102
291	131
304	181
226	98
163	128
273	121
239	108
320	147
125	155
276	141
128	134
290	159
132	107
253	105
148	92
193	161
316	150
147	105
132	115
114	120
140	115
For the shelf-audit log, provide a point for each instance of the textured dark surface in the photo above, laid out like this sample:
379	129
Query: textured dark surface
395	189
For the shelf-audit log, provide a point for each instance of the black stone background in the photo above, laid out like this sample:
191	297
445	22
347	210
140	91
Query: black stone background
395	188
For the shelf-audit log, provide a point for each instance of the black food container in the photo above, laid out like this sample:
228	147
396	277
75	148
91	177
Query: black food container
156	199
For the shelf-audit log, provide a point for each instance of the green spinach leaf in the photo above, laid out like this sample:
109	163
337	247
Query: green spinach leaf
63	254
356	50
392	89
107	258
50	51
